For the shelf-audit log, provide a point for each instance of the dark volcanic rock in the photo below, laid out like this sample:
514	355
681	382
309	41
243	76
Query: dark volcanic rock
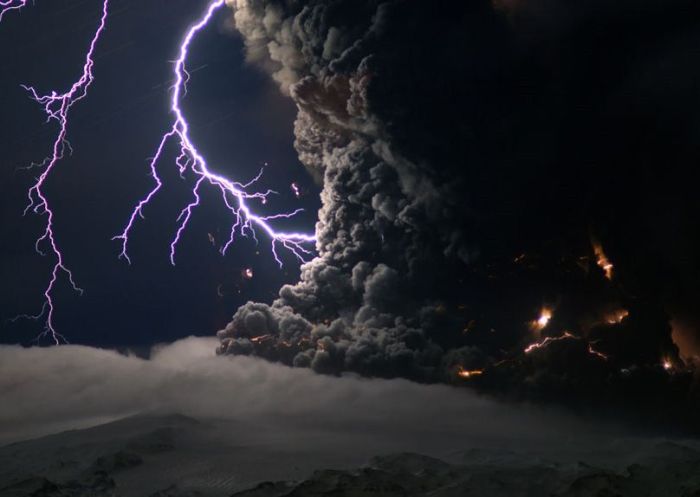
117	461
99	484
670	471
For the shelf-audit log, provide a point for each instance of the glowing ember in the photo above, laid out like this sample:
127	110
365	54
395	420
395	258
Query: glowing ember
602	260
617	316
295	189
547	341
541	322
667	364
247	273
596	353
469	373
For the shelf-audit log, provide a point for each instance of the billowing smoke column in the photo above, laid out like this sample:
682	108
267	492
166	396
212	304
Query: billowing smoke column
373	297
482	193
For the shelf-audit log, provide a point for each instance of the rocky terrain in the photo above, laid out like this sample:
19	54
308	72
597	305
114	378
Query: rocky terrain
178	456
673	470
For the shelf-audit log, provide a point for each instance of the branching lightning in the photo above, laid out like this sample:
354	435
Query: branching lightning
565	336
8	5
190	160
57	107
538	345
235	195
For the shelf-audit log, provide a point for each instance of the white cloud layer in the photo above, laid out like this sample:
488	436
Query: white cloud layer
44	390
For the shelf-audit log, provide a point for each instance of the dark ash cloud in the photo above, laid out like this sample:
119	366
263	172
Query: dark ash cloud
373	296
472	157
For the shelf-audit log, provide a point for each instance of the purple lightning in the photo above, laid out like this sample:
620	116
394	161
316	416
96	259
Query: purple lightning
190	159
8	5
56	106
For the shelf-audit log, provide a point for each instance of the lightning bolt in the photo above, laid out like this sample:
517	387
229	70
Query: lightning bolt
235	195
57	107
190	160
8	5
565	336
548	340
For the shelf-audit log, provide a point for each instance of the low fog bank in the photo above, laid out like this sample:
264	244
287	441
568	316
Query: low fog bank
47	390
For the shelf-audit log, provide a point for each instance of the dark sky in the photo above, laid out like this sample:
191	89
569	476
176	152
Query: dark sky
239	120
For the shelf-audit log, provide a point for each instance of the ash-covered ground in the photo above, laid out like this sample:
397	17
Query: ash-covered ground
184	422
178	456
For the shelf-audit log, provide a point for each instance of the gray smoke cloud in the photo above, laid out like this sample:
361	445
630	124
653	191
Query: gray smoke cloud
370	300
463	185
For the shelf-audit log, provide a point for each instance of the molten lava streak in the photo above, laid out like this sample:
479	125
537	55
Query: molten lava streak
469	373
602	260
596	353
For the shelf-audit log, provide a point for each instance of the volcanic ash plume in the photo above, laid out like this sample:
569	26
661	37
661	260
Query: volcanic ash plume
388	231
450	245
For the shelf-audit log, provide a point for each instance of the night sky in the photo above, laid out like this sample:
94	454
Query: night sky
240	120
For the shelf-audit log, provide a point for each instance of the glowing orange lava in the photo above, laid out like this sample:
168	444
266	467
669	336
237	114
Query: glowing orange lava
469	373
602	260
616	317
541	322
596	353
